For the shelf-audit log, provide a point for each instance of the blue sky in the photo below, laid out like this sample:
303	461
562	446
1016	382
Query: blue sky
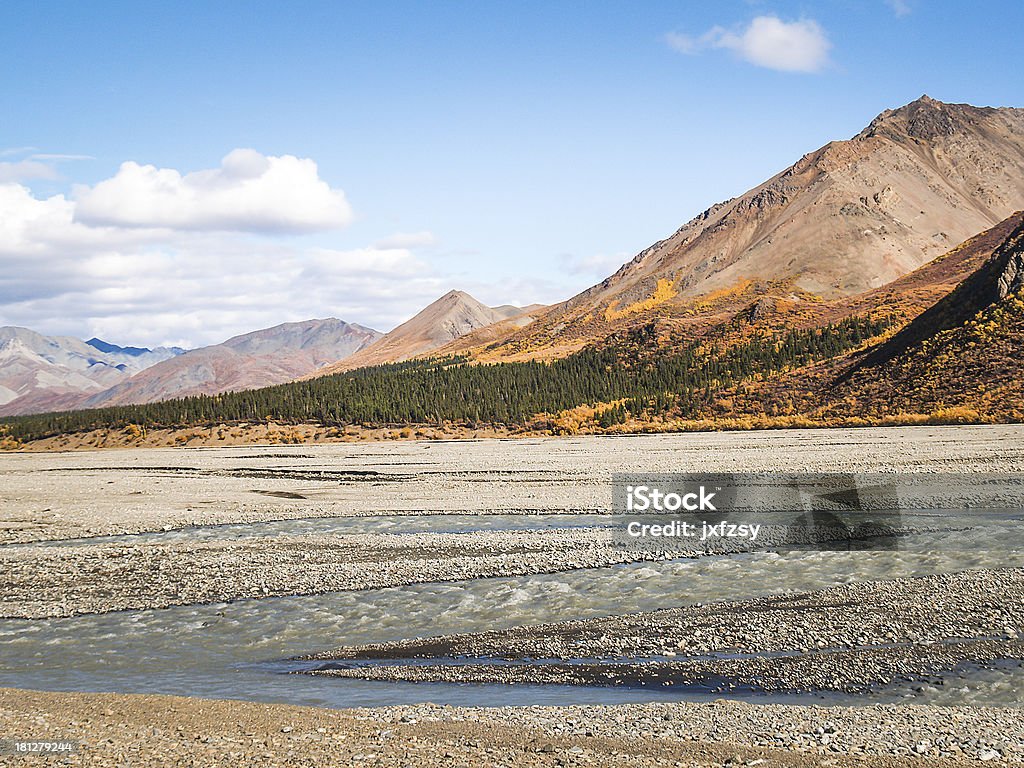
520	152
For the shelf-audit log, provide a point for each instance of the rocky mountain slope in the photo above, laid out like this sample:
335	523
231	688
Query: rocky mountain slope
900	302
39	373
449	318
846	218
956	328
962	354
256	359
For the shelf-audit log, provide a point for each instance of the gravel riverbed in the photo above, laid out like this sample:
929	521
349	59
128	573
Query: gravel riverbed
52	496
843	638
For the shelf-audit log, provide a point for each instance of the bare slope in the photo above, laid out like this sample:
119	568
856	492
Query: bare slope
848	217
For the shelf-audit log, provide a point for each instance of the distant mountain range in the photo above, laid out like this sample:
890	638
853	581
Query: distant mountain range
257	359
877	278
40	373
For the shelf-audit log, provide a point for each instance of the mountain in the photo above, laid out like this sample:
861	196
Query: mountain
846	218
113	349
39	373
450	317
963	353
256	359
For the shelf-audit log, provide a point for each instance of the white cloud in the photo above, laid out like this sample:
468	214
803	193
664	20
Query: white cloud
26	170
794	46
249	192
30	226
27	223
151	287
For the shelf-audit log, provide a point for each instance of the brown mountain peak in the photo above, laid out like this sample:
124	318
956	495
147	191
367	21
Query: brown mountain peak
450	317
926	119
453	299
846	218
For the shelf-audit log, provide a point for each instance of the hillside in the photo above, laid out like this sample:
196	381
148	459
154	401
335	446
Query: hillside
900	301
849	217
962	354
249	361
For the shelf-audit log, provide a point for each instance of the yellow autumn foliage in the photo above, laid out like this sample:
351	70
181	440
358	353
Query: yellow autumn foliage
664	291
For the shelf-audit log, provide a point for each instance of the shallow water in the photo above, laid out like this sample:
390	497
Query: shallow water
328	526
238	650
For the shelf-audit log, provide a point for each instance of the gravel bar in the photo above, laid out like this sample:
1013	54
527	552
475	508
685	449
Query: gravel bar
848	638
146	730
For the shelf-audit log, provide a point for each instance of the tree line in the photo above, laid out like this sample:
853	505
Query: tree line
631	369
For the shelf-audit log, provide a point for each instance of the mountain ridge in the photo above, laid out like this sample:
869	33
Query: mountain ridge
39	372
848	217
